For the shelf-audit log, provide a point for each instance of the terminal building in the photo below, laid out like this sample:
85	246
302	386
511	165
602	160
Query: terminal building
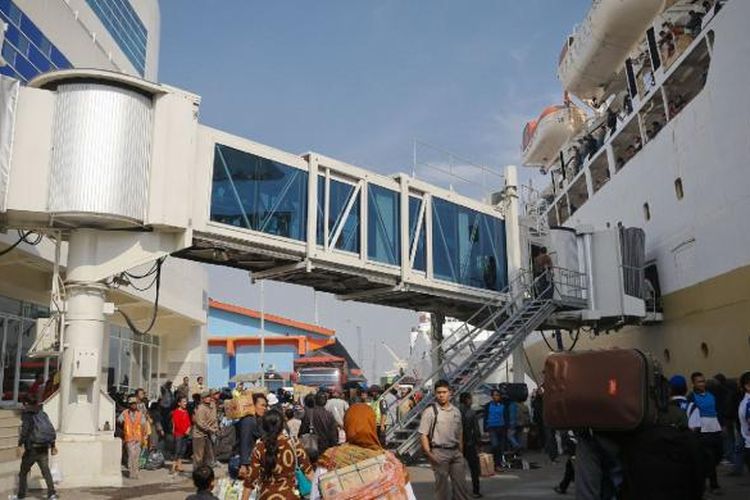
119	35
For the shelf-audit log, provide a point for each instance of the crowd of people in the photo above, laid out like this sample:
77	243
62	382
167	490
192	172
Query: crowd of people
282	448
287	448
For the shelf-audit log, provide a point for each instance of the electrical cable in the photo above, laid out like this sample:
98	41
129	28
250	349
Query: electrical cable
148	273
23	238
575	341
552	349
157	282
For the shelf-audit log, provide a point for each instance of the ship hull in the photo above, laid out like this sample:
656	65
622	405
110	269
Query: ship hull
706	328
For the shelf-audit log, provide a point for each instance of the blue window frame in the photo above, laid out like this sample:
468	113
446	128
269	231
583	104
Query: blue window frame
26	51
383	219
127	29
257	193
420	257
468	246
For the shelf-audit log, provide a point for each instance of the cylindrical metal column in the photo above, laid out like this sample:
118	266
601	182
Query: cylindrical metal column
513	250
81	370
437	321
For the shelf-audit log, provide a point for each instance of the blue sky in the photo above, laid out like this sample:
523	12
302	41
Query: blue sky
360	81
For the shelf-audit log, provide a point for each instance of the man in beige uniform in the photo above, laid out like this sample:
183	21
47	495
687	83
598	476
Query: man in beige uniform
205	427
442	441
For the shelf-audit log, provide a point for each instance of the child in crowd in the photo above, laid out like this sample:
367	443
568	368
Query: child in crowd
203	479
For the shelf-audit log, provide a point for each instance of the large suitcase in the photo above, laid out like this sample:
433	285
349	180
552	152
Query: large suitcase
607	390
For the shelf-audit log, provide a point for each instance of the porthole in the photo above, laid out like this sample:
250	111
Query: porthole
704	349
646	211
678	191
667	356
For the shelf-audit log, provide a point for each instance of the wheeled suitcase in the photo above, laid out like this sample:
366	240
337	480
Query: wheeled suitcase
607	390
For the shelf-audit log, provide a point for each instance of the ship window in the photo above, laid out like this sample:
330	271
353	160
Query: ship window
646	211
678	188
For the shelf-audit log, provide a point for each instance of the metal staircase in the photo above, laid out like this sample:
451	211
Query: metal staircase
468	360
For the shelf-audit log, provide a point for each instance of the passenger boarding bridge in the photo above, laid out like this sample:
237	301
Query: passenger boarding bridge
122	172
308	220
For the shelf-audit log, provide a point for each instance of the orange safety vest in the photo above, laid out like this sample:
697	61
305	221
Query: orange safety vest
132	429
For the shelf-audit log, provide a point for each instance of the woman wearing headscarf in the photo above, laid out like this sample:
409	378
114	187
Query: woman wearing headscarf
274	460
362	444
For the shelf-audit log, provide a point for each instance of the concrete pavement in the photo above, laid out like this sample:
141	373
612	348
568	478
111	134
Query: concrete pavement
510	485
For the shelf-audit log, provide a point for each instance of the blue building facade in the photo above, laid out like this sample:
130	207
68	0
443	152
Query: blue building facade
26	51
234	344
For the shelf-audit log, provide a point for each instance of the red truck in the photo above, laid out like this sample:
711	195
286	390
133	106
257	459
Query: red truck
327	372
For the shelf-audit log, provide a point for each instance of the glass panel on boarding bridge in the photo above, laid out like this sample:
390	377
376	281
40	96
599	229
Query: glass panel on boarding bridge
259	194
383	219
341	226
468	246
415	207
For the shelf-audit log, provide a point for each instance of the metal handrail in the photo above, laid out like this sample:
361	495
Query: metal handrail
556	277
507	310
417	410
467	326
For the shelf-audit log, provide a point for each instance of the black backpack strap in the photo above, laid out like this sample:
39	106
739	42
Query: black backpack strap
434	422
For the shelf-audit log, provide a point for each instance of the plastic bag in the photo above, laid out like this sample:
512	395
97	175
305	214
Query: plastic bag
155	460
56	471
227	489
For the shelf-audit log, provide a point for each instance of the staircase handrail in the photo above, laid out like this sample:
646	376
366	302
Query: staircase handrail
542	297
519	294
428	398
469	332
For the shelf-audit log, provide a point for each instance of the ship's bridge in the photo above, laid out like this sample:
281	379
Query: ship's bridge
88	149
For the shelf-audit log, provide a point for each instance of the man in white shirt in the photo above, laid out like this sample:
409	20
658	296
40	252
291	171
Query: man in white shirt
338	408
703	418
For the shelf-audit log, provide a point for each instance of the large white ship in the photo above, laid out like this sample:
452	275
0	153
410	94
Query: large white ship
665	147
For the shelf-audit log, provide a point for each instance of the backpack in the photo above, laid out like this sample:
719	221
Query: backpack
225	442
663	462
42	432
309	442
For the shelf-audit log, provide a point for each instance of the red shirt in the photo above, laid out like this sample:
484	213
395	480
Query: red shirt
180	422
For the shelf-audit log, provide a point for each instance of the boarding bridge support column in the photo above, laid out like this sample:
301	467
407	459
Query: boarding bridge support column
81	406
513	251
437	321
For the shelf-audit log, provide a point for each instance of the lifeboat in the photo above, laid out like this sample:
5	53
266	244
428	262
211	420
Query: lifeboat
596	52
544	137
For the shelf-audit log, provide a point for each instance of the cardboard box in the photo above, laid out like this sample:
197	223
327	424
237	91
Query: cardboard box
240	406
354	476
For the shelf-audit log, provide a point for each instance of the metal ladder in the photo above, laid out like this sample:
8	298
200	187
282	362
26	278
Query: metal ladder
529	303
